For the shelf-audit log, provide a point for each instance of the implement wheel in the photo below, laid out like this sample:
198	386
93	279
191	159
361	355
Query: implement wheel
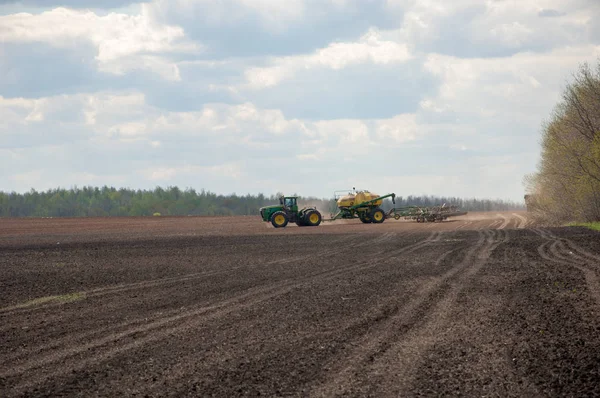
377	215
312	218
279	219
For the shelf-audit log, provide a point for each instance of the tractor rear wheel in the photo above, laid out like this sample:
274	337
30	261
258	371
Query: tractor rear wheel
377	215
312	218
279	219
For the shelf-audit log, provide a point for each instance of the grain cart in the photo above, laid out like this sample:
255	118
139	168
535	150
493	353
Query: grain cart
363	205
287	211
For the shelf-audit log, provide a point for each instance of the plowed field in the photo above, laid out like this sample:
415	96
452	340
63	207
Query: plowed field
483	305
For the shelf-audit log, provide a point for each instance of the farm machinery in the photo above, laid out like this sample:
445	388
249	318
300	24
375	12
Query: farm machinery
287	211
364	205
426	214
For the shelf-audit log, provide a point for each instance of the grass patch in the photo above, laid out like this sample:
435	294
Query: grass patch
591	225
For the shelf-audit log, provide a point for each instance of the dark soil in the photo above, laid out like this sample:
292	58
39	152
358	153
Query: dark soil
485	305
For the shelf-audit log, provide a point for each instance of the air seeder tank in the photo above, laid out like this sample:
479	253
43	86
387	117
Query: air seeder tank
363	205
352	199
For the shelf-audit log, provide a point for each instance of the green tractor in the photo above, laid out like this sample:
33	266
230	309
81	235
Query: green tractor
287	211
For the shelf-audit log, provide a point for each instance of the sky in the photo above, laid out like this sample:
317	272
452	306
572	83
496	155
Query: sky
416	97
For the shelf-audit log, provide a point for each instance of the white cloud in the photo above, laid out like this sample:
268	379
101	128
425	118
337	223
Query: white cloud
489	28
399	129
230	170
512	34
16	111
350	131
369	49
106	108
122	42
430	94
525	84
25	111
157	64
127	116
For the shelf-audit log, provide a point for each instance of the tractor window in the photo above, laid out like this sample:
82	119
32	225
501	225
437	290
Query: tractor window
290	202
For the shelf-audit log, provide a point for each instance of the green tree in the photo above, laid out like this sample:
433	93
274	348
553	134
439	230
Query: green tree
566	186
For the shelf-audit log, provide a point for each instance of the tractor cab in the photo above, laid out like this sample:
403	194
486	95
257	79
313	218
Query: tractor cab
289	203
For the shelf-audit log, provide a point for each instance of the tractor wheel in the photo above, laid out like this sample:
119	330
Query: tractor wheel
279	219
312	218
364	218
300	220
377	215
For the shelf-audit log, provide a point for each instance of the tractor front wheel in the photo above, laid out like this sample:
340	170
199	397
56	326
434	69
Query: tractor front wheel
279	219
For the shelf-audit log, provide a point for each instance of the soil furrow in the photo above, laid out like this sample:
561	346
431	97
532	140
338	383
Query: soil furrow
181	320
558	253
33	305
477	306
123	326
405	321
133	326
401	358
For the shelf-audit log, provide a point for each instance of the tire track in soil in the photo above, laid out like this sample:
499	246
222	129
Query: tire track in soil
401	340
163	326
522	223
463	225
162	282
493	225
158	283
124	326
505	221
331	273
554	250
566	249
354	327
121	288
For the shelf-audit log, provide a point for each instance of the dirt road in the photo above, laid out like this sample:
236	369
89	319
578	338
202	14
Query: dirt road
485	305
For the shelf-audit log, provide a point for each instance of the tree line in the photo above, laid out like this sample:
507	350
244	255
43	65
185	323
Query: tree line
172	201
566	186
